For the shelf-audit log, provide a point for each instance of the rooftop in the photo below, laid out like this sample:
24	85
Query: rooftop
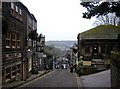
101	32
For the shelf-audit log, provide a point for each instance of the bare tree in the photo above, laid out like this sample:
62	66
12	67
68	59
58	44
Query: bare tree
110	18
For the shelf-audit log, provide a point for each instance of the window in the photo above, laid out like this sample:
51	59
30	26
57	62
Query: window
18	40
20	14
87	48
43	42
13	36
12	8
20	17
7	43
20	11
12	12
12	5
18	69
8	73
7	70
18	66
13	68
18	36
13	44
13	71
103	48
17	9
17	15
8	36
13	40
18	44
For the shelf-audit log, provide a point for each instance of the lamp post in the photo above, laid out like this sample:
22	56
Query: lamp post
44	60
53	63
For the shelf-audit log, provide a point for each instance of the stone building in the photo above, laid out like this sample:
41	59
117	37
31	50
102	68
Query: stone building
14	41
40	51
0	44
115	67
97	43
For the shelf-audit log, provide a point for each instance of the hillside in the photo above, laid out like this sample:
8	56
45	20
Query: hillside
63	45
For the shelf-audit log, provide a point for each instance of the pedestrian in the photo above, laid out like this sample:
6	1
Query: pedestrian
71	68
75	67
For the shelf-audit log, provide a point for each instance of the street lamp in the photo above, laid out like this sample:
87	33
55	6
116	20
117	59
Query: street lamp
44	60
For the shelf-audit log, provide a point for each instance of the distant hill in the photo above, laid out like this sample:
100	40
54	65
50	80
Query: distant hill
63	45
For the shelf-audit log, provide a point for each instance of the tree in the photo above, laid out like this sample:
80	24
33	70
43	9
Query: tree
100	8
33	35
107	19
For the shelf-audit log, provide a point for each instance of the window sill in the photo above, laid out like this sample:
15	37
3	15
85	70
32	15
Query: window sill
7	46
7	80
13	46
13	77
18	46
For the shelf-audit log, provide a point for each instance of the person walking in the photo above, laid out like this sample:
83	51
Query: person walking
71	68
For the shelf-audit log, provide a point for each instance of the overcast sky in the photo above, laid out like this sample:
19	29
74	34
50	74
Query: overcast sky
59	19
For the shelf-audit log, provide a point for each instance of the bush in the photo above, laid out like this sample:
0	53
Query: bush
107	63
85	70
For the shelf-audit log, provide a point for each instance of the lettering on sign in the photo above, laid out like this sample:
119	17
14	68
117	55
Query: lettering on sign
86	63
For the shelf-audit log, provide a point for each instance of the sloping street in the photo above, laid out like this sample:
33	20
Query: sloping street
101	79
58	78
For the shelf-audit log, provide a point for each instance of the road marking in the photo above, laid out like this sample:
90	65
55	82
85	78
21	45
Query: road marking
36	79
78	81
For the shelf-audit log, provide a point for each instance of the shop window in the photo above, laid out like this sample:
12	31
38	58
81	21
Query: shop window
103	48
95	50
87	48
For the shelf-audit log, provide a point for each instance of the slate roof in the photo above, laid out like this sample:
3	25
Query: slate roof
101	32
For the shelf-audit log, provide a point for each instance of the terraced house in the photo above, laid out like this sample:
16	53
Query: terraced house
97	43
14	40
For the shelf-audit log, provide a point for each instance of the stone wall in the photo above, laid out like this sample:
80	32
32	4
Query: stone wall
115	70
